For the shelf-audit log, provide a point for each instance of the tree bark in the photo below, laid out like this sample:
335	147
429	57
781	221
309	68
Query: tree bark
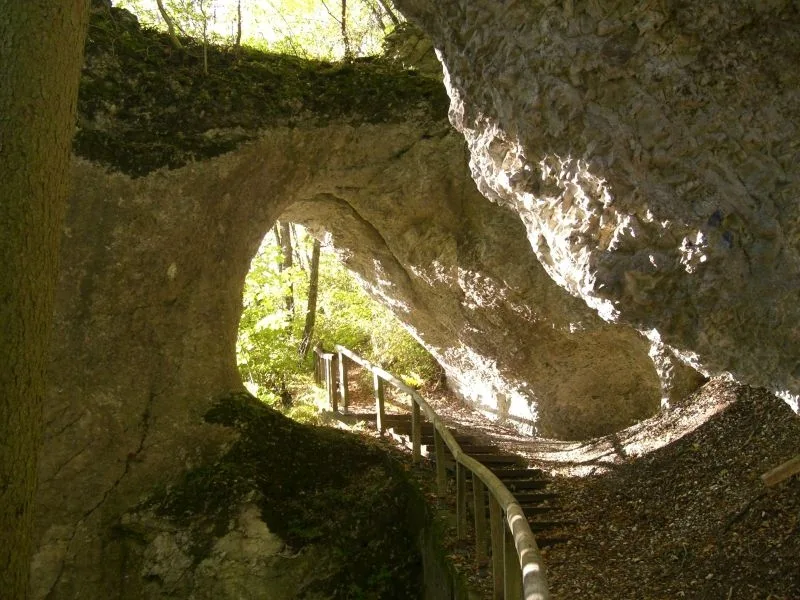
311	311
300	255
41	53
286	246
170	24
202	7
239	24
348	51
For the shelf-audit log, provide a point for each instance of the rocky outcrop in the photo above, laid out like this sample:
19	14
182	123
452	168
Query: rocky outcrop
176	179
651	150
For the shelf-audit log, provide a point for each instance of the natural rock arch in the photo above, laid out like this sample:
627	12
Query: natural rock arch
150	295
173	191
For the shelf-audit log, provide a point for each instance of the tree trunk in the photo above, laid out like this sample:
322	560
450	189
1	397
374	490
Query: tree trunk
348	51
311	311
239	24
41	53
300	255
170	24
286	246
205	36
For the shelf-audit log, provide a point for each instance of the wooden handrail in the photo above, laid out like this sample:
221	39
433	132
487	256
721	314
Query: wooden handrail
534	580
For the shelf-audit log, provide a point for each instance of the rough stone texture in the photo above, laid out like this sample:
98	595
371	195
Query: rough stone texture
164	218
410	48
248	561
651	148
150	295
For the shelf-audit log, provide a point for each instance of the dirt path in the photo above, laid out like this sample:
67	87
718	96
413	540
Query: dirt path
672	507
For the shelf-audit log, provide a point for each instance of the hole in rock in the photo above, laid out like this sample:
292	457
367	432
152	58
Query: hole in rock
294	301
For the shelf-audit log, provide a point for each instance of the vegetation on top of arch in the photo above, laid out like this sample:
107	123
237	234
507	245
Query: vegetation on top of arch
145	104
322	29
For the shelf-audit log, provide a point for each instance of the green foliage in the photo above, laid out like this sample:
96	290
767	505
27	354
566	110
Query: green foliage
305	28
350	317
144	105
269	337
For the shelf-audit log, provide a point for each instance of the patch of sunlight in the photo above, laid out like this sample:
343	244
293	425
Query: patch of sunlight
252	387
595	456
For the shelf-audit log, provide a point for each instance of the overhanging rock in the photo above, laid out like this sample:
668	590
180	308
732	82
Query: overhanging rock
651	149
176	179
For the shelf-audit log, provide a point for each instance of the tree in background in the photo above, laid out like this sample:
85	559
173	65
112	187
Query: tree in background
288	262
311	305
327	29
338	311
41	53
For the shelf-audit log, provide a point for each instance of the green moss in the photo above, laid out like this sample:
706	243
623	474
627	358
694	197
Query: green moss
313	485
144	105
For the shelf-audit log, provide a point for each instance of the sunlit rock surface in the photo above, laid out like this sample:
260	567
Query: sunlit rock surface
176	179
651	149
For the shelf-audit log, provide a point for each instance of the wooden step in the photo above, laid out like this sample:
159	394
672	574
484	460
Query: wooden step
525	484
529	498
473	449
538	525
398	420
498	459
537	509
507	474
548	541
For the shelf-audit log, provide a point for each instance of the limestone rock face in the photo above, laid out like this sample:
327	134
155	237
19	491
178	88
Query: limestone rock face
651	149
174	187
150	294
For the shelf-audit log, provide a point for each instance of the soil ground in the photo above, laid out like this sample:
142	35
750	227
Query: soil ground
672	507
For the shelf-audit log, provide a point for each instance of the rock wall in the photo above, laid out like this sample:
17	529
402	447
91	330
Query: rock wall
177	178
651	149
150	294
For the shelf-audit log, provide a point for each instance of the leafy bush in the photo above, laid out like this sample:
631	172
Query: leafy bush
269	335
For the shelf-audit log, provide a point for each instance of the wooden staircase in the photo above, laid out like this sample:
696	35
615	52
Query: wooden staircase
529	486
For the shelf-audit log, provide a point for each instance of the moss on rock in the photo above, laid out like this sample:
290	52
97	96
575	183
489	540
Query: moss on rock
144	105
314	486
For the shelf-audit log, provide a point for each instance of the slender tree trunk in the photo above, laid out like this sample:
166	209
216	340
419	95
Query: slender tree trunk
41	53
170	24
239	24
205	36
311	311
286	246
376	12
348	51
301	256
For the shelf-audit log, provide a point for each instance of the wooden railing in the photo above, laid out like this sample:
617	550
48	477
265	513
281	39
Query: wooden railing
517	566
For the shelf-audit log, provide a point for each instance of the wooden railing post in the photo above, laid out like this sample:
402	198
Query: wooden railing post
517	565
380	413
497	527
344	393
512	572
461	501
441	474
333	393
479	509
416	431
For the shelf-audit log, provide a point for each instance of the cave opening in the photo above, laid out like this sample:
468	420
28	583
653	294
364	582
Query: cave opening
298	295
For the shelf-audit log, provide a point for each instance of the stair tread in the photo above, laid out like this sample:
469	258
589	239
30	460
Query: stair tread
525	484
523	498
503	474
